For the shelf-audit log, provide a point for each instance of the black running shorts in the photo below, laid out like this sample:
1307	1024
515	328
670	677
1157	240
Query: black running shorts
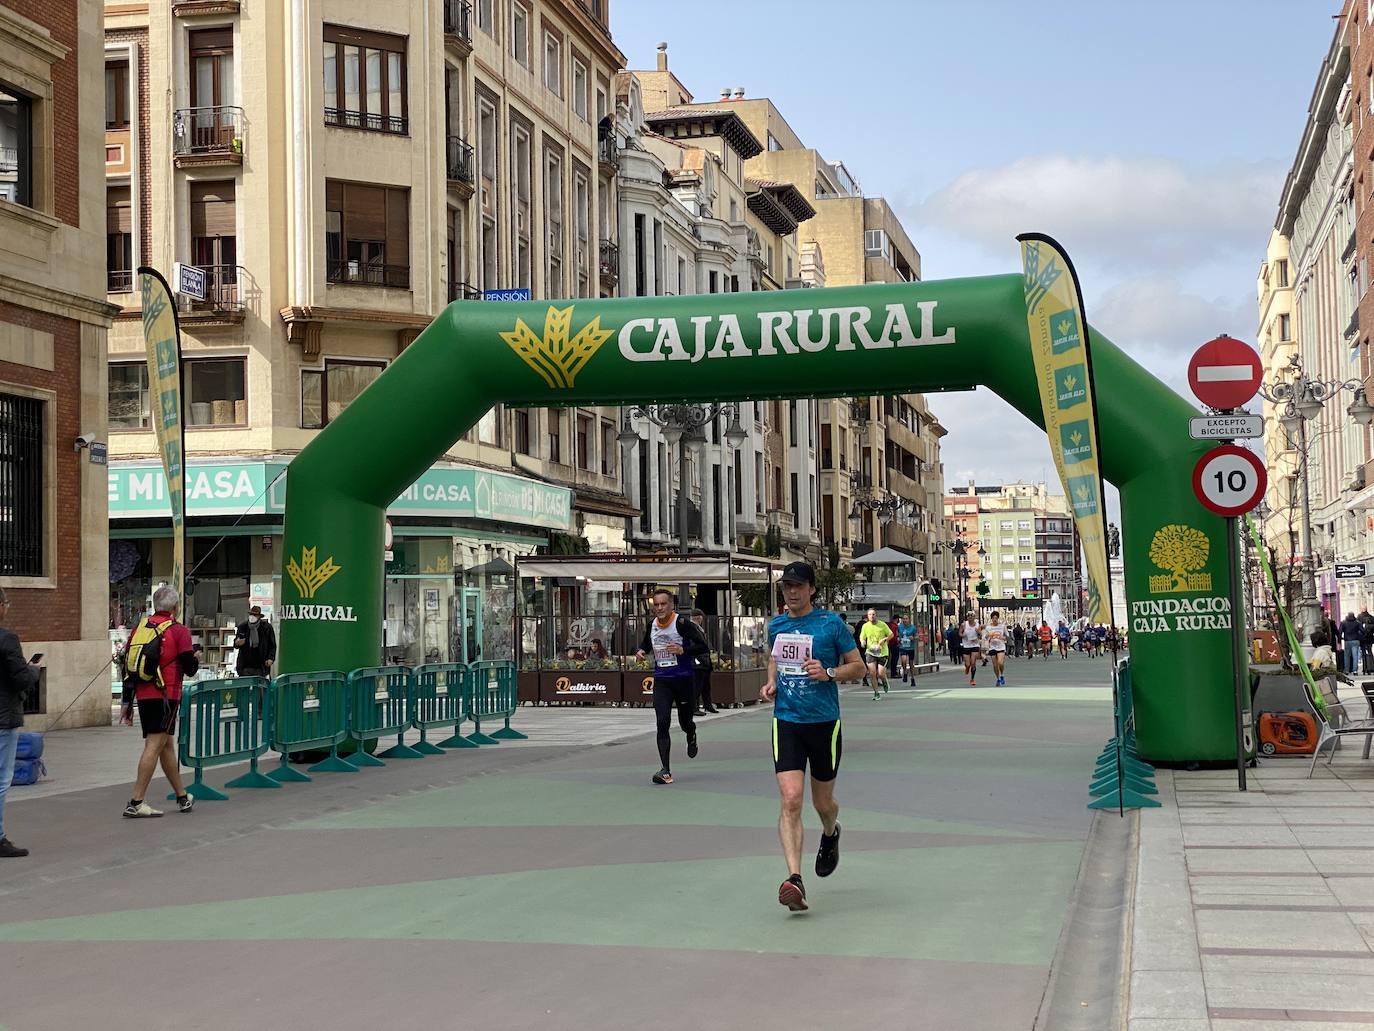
158	715
795	745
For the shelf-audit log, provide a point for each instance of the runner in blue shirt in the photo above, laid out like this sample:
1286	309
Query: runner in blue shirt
906	648
810	652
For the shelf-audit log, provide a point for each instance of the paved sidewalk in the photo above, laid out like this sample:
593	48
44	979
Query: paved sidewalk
1255	911
539	885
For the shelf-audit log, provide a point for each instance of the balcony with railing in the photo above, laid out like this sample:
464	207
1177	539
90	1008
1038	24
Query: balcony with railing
457	26
367	273
609	263
9	160
463	292
119	281
225	290
204	136
461	166
608	153
369	120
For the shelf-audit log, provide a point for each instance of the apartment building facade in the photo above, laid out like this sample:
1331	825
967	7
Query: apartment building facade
53	327
1277	343
342	171
1318	216
1020	539
882	448
694	222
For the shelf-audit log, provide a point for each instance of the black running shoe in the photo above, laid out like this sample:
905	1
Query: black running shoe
663	777
828	856
692	747
186	802
792	893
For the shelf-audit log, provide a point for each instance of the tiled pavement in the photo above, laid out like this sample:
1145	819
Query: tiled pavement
550	885
1255	911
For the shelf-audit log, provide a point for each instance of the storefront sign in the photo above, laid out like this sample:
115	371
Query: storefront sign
473	493
237	488
139	490
1349	570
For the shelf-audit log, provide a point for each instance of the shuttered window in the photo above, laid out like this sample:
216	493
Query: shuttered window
367	234
119	240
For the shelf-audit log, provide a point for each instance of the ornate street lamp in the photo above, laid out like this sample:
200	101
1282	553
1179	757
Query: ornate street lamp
683	425
1302	399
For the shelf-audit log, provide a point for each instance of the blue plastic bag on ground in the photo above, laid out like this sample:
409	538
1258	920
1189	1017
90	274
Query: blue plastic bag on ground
28	771
30	746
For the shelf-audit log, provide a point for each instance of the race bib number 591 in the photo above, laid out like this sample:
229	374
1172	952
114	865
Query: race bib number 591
790	652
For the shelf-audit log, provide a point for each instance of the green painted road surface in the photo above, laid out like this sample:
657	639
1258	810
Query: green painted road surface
521	886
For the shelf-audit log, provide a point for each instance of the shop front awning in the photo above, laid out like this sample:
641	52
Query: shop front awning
622	569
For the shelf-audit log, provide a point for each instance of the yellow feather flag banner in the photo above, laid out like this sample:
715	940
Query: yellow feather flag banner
1059	341
162	336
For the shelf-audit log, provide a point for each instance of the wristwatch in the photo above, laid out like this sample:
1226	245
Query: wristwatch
830	672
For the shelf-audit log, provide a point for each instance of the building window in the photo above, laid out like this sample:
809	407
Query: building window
214	244
520	33
608	447
553	218
327	392
522	174
522	431
1281	272
485	22
367	234
1285	327
16	146
489	426
555	436
876	244
119	240
212	68
601	93
215	392
773	143
117	95
579	89
584	442
364	79
128	397
21	485
582	217
486	163
553	63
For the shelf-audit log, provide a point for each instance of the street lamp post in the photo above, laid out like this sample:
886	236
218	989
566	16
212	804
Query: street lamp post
1302	399
683	425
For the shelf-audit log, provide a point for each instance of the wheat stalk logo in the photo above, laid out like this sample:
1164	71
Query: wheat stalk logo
307	576
1064	326
1075	438
1070	382
1082	494
554	356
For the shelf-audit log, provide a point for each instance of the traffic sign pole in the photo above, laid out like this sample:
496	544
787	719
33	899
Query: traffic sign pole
1238	663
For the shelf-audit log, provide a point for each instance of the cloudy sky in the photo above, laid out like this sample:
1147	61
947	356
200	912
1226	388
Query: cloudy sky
1151	140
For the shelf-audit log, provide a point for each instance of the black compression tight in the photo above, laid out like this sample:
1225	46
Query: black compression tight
670	692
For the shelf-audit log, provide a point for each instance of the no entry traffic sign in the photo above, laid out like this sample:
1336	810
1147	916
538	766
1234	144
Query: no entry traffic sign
1225	373
1229	480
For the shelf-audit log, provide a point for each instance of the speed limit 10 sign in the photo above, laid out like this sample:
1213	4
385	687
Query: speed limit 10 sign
1229	480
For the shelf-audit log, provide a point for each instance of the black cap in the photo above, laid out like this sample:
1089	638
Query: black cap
798	573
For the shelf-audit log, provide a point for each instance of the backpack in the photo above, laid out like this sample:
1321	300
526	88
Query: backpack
143	656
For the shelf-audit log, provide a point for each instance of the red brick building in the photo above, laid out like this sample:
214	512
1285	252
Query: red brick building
1359	21
53	325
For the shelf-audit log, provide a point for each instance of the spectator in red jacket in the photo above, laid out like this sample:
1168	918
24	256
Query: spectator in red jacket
158	705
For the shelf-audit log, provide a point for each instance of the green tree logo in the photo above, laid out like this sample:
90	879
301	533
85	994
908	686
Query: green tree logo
1182	550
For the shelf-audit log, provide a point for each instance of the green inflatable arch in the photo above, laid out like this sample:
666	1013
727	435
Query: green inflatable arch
934	336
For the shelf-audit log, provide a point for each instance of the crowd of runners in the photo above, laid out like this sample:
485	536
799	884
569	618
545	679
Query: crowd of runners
977	644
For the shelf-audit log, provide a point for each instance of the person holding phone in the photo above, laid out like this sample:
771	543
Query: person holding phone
256	642
17	678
